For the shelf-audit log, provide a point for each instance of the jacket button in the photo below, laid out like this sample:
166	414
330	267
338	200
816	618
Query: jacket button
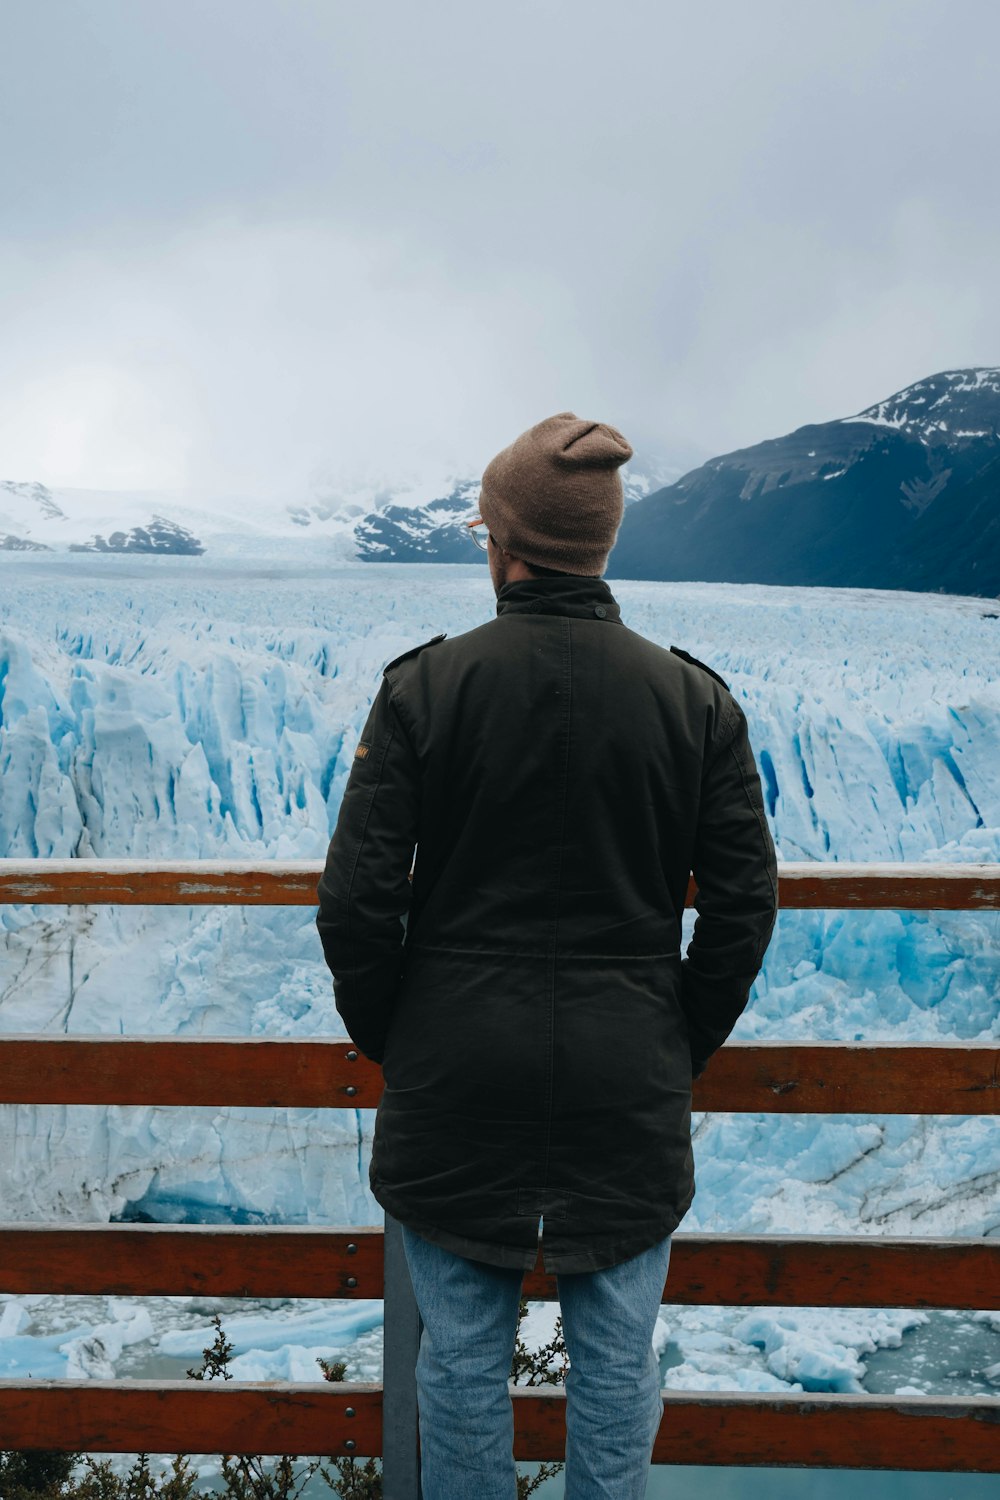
600	611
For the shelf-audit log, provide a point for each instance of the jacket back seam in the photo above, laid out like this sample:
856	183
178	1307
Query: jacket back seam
557	897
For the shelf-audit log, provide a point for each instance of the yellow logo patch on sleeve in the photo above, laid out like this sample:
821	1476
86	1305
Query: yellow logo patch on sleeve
362	752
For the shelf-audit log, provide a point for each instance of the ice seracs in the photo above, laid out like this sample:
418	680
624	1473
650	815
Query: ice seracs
146	713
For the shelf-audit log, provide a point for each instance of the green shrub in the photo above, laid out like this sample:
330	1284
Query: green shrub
36	1475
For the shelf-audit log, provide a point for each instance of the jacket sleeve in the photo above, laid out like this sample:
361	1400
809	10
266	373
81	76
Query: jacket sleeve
364	892
735	869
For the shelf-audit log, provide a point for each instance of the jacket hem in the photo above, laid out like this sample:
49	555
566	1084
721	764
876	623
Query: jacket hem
559	1257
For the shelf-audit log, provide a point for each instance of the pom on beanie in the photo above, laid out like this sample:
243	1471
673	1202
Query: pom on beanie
554	496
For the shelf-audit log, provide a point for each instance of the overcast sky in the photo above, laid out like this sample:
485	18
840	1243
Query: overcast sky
265	246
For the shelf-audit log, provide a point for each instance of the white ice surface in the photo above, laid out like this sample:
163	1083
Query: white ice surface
183	708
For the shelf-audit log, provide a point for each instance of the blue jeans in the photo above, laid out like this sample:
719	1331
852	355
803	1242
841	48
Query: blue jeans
613	1401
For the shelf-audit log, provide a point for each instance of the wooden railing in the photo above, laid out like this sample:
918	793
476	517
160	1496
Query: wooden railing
841	1431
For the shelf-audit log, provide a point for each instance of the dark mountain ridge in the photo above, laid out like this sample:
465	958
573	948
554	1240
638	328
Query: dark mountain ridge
904	495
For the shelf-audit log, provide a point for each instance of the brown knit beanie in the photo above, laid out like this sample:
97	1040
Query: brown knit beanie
554	497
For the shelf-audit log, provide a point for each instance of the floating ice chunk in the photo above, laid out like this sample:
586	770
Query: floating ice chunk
24	1357
688	1377
89	1359
288	1362
93	1356
328	1324
13	1319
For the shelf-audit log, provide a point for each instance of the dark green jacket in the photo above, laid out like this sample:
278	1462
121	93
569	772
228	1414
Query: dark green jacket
560	777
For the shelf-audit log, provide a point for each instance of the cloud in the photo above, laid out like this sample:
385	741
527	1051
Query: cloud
256	247
261	357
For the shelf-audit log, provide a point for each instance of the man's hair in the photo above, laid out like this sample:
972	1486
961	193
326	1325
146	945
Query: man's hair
541	572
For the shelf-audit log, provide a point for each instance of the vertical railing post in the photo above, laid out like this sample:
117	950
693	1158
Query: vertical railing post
401	1337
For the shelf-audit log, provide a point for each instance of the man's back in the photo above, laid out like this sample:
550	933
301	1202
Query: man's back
560	756
538	1051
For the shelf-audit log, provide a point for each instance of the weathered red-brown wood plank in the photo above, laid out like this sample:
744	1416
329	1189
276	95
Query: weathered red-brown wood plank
182	1070
306	1261
788	1078
833	1432
816	1271
156	1260
187	1416
801	883
896	886
201	882
948	1078
960	1434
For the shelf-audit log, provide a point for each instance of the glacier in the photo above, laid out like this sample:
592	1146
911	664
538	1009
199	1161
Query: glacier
196	707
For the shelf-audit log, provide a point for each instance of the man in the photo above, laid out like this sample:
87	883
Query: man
559	777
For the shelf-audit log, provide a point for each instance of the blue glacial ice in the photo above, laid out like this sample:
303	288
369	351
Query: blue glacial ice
177	709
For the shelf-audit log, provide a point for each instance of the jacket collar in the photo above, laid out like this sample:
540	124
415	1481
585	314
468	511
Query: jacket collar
584	598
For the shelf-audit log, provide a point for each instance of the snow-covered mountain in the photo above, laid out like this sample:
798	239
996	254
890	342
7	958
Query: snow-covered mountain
406	521
34	518
957	406
904	495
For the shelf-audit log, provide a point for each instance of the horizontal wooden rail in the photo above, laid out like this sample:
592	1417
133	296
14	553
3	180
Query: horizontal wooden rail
201	882
911	1433
187	1416
961	1434
770	1270
216	1071
897	1078
165	1260
828	1432
948	1078
705	1269
894	885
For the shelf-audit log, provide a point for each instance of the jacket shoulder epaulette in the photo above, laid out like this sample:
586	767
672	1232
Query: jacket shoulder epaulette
696	663
405	656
